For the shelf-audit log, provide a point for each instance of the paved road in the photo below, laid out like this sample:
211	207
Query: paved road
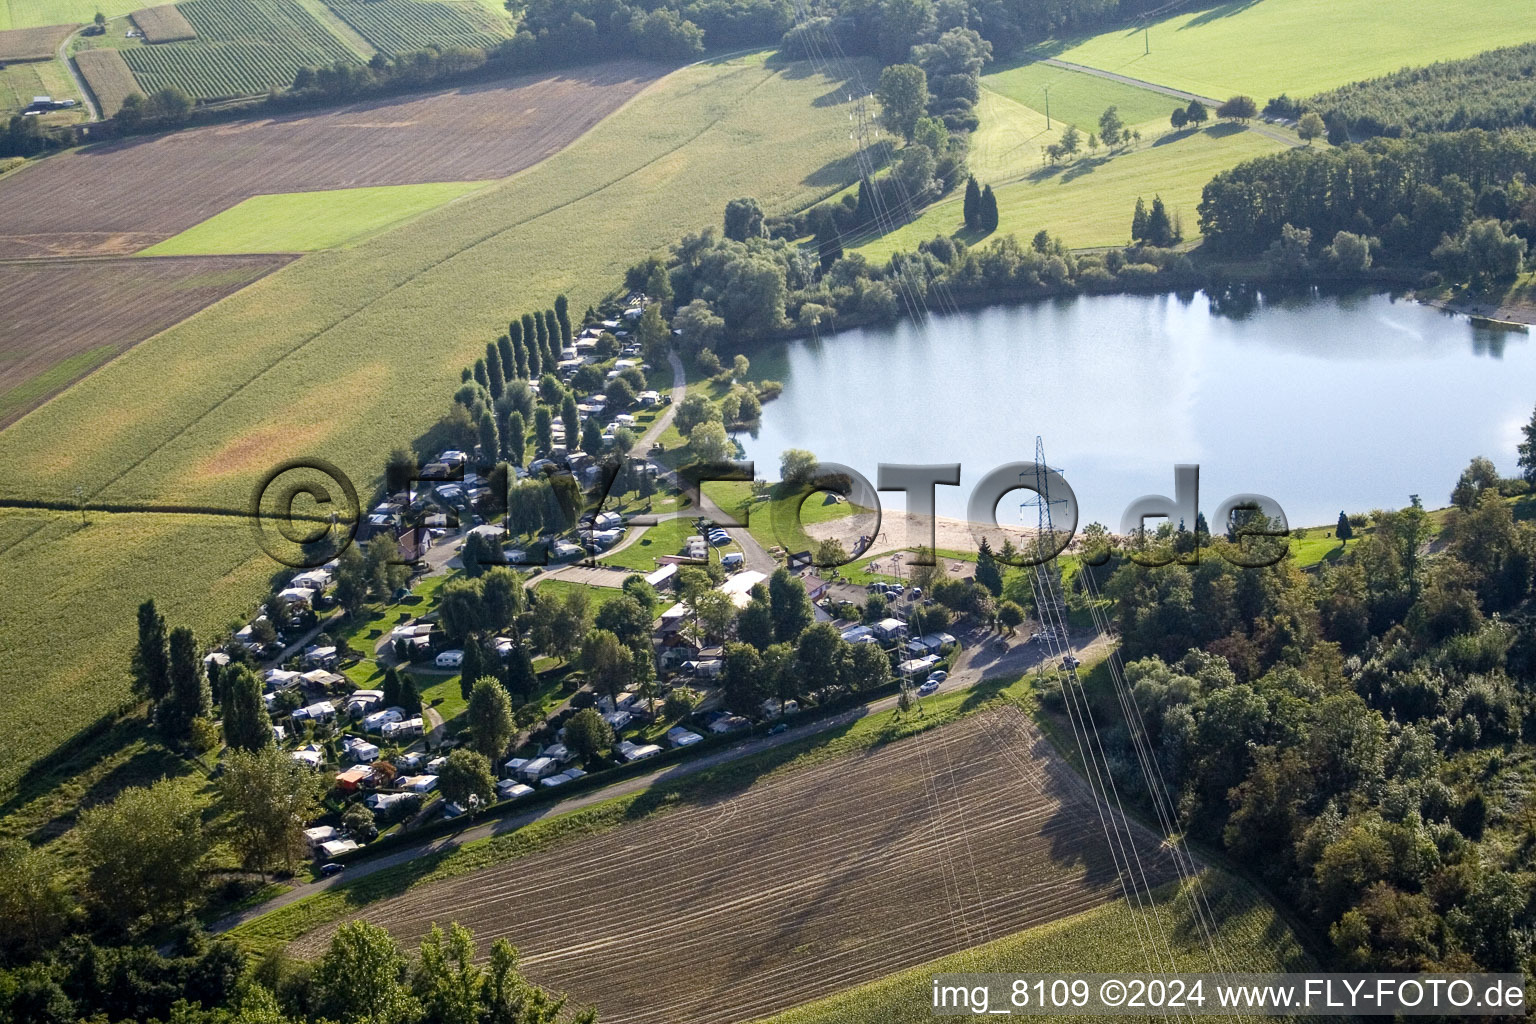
1128	80
1210	101
85	93
980	660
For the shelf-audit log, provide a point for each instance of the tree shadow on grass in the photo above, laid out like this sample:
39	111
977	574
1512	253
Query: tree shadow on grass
144	768
1219	11
845	170
1224	129
104	737
1087	165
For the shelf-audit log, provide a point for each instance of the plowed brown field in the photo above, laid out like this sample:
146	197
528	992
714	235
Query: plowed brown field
63	318
121	197
806	883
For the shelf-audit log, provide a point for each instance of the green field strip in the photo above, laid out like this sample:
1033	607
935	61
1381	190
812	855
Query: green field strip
309	221
1300	47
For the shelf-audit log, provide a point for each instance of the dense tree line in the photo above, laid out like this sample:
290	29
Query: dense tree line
888	28
1492	90
25	136
1354	735
1458	200
741	290
363	976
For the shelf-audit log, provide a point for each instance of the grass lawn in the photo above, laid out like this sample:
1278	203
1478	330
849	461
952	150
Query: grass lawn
1252	935
1076	98
596	597
306	221
444	697
858	572
1007	143
1315	549
35	13
665	538
21	80
1301	47
346	354
363	633
735	498
1089	202
288	923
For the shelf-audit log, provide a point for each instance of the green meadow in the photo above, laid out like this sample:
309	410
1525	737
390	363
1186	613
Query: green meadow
1077	98
1089	202
34	13
347	353
307	221
1267	47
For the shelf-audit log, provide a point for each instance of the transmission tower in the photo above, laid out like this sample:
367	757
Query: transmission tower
864	128
1040	501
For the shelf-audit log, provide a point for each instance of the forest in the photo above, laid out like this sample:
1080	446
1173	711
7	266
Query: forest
1457	200
1493	90
1359	737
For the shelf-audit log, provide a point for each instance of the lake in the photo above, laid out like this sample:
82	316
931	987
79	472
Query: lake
1320	402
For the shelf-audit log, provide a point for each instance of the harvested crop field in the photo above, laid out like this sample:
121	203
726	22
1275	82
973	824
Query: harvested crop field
66	317
107	75
137	192
163	24
804	884
33	43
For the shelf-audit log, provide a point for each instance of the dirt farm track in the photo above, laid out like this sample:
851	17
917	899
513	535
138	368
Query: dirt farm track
800	885
120	197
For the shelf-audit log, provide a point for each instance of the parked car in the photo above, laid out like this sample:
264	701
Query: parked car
928	687
938	676
778	728
1069	662
331	869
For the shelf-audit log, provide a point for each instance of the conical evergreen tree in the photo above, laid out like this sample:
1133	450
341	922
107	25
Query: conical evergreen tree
189	698
987	572
865	211
1159	227
246	723
508	362
519	353
829	248
552	332
472	667
493	368
515	437
563	318
410	697
1139	221
531	342
391	687
972	203
151	664
521	679
988	211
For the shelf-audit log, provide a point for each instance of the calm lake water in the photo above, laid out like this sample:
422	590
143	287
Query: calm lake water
1322	403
